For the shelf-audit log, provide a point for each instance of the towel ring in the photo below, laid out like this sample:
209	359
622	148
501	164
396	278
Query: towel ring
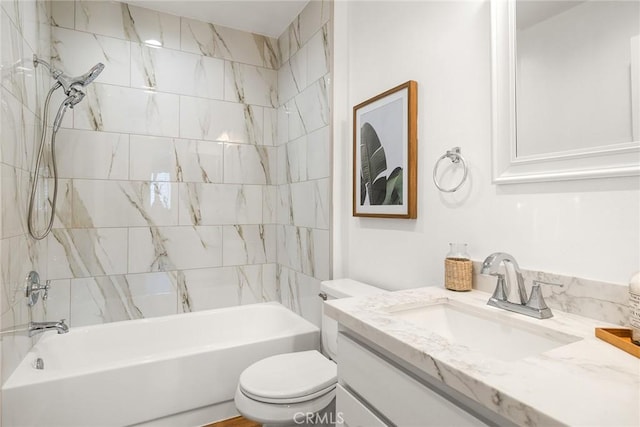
455	157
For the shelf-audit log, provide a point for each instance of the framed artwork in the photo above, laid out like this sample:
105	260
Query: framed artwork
385	154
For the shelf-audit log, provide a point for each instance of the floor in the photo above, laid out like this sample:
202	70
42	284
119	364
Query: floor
235	422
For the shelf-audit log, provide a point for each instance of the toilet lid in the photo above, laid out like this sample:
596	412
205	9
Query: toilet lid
289	376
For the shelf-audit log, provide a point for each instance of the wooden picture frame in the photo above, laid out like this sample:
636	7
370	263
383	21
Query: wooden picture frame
385	137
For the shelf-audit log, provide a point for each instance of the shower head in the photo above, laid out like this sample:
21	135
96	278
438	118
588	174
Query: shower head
69	83
90	76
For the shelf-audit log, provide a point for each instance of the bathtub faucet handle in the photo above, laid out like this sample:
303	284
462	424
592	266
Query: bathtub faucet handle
45	288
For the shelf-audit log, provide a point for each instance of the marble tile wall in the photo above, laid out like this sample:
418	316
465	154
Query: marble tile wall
24	31
167	166
194	174
303	152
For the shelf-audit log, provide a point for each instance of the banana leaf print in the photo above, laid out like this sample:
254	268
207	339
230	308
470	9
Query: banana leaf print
382	190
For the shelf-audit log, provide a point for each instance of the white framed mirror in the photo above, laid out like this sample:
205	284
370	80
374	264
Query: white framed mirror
566	89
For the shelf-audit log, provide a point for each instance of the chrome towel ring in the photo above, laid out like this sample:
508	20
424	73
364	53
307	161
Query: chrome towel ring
455	157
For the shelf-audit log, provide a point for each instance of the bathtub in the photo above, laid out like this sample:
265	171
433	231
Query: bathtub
178	370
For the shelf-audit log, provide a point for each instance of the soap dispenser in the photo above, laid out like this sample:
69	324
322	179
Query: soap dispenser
458	268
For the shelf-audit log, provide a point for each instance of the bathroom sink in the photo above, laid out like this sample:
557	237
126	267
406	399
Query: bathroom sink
493	334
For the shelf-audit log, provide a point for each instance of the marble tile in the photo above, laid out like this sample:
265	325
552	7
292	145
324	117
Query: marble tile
19	255
220	121
283	46
318	55
92	155
154	294
303	198
25	15
594	299
199	161
64	206
86	252
250	85
13	209
270	127
13	150
62	13
269	204
248	244
305	250
57	305
321	254
293	78
322	203
172	71
115	54
310	109
319	154
16	63
291	242
282	126
226	43
102	299
167	159
271	53
284	207
124	203
299	293
312	18
174	248
234	204
127	22
249	164
119	109
209	288
296	160
291	39
153	158
295	125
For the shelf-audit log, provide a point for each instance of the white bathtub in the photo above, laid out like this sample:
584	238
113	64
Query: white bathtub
176	370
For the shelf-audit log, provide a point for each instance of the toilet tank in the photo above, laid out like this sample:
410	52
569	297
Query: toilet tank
334	289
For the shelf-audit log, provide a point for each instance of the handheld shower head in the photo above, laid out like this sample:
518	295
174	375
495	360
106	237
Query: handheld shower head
90	76
67	82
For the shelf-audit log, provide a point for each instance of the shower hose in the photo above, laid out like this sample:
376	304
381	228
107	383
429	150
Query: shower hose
36	175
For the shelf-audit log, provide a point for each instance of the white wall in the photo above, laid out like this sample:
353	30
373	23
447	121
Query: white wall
585	228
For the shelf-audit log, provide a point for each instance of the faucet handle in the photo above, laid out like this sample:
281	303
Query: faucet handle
540	282
500	293
536	300
45	288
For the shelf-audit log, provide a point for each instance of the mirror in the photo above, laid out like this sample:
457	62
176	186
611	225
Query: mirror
566	89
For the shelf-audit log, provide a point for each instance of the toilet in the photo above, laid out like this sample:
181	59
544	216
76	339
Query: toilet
291	388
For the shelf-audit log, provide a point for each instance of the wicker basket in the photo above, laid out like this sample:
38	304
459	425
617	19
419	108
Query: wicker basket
458	274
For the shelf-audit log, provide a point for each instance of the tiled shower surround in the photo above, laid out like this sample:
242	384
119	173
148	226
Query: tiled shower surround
193	175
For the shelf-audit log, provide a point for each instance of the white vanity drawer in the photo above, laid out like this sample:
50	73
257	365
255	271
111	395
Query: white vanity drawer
393	393
351	412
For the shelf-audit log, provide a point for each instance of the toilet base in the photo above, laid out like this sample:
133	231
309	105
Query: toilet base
319	412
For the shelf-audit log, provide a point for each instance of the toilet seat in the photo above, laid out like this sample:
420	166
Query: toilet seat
289	378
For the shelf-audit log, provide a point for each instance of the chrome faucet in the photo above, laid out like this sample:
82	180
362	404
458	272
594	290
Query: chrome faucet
533	306
39	327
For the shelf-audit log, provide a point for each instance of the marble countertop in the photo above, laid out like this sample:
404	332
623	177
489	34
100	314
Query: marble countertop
588	382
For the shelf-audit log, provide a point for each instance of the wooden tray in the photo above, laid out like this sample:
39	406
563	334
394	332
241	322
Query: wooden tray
620	338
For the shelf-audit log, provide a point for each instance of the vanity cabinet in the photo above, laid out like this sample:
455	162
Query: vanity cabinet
375	391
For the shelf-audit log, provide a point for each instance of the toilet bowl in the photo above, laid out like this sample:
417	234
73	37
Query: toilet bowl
298	388
284	389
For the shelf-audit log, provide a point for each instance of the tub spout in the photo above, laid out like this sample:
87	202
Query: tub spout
39	327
